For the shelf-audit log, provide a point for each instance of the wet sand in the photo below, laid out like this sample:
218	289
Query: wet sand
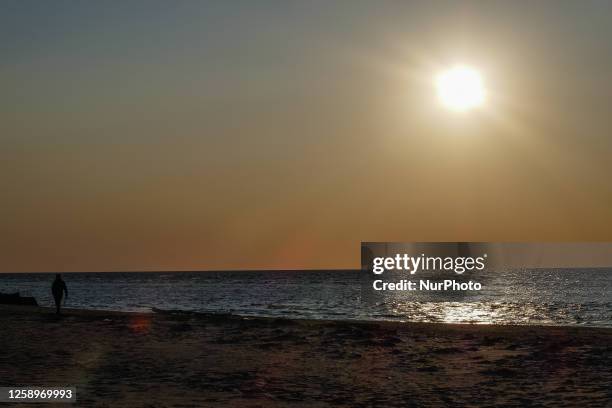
195	360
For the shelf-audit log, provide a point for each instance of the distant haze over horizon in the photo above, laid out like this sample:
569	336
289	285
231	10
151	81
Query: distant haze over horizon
196	135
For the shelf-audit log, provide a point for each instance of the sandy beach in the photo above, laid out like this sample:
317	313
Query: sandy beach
195	360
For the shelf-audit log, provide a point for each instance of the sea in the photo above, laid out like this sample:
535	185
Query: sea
568	297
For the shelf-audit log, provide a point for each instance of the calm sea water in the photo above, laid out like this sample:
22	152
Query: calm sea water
559	296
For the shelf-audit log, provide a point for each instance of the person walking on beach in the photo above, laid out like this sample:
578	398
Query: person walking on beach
58	288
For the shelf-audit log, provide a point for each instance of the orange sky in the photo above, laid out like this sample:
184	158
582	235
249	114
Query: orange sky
222	136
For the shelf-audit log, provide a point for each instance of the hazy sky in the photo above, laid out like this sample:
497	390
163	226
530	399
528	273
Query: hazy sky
138	135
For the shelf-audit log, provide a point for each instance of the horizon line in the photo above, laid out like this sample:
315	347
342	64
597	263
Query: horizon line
193	270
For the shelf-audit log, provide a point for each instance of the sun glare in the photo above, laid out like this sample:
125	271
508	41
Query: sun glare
461	88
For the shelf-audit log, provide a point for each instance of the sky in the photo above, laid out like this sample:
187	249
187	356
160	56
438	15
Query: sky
190	135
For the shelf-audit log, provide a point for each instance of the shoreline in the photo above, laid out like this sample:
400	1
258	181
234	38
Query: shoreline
212	315
120	359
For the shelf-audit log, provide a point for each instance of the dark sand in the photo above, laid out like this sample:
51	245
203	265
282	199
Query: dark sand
190	360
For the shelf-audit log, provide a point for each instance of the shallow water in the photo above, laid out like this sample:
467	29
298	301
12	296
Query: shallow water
544	296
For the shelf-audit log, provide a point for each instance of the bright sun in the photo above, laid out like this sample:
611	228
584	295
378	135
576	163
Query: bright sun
461	88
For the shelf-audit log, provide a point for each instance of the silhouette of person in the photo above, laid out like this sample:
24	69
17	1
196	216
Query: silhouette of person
58	288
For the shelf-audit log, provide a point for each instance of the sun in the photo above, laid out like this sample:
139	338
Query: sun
461	88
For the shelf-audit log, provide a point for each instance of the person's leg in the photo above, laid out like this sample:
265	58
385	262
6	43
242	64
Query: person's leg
58	302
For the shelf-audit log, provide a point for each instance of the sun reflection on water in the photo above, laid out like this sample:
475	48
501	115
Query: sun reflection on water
471	312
